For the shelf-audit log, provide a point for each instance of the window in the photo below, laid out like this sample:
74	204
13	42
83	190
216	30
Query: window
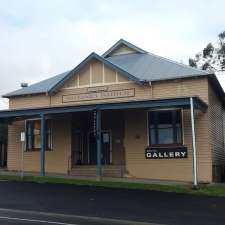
165	127
33	135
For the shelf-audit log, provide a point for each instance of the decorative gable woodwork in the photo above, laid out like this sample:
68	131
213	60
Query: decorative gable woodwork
95	73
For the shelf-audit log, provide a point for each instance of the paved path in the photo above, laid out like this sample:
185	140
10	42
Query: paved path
88	202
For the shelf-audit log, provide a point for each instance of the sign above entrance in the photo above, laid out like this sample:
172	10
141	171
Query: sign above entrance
166	153
99	95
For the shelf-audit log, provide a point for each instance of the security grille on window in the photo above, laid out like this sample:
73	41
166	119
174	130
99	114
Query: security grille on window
165	127
33	135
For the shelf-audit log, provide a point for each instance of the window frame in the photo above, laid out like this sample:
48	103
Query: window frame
181	128
32	149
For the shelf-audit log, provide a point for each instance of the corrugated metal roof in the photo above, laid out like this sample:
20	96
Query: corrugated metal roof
150	67
141	66
38	88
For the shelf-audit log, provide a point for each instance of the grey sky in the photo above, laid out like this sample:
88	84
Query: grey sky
42	38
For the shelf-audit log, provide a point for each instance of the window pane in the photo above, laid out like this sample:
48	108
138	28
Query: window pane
178	117
37	127
37	141
165	136
151	118
165	117
165	127
29	142
152	133
29	129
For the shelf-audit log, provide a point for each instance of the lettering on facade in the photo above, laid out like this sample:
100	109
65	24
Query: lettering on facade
97	89
166	153
99	95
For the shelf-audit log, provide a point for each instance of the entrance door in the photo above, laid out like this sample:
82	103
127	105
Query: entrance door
77	148
92	149
106	148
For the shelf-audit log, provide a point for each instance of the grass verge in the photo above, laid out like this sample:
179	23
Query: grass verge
208	190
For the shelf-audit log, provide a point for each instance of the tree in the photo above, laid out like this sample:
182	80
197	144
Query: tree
211	57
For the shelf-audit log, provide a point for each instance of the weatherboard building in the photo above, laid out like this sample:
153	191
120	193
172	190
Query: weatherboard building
127	114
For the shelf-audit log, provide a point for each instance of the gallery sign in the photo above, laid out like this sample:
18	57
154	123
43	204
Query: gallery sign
99	95
166	153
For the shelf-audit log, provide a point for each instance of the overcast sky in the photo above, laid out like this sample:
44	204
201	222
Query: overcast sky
42	38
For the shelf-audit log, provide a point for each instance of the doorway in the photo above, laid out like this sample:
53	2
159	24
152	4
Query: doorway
84	148
106	139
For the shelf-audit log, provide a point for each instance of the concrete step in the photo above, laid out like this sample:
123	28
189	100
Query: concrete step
107	171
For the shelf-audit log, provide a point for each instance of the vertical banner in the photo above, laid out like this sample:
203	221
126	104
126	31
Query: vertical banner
94	123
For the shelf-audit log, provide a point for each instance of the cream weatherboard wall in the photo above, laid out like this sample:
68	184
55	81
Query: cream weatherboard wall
57	161
167	169
122	50
96	74
216	131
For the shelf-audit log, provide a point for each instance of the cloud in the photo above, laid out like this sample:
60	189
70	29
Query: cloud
43	38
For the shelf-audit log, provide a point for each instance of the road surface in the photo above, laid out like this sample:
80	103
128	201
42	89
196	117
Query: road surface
32	203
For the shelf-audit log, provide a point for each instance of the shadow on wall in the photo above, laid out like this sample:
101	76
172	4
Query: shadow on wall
3	144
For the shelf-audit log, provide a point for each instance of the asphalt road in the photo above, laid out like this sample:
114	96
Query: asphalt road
21	217
78	205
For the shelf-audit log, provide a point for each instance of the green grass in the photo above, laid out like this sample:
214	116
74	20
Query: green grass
209	190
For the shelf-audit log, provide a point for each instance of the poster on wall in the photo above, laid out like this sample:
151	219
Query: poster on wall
166	153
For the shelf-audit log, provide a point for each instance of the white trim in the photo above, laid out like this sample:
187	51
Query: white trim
194	152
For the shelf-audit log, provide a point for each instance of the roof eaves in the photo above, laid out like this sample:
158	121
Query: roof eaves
118	43
85	61
9	95
180	77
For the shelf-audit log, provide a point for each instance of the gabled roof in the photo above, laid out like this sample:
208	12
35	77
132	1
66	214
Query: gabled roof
139	67
83	63
149	67
118	44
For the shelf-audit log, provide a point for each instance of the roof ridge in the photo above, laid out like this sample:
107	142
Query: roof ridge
122	41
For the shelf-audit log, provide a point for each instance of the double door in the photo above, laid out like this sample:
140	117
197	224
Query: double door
84	148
